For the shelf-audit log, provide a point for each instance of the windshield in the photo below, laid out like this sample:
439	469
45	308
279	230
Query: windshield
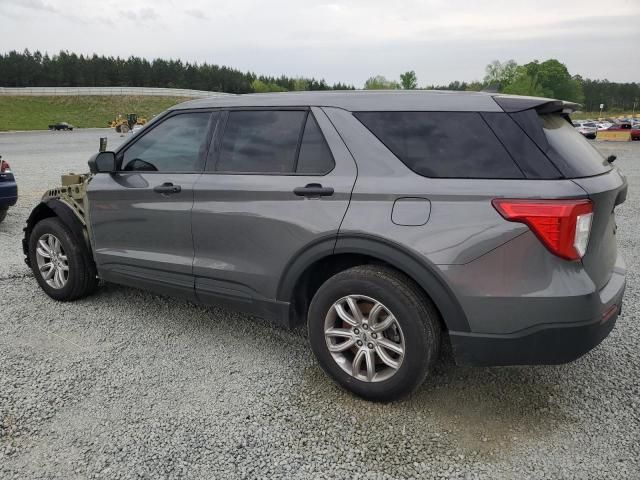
582	158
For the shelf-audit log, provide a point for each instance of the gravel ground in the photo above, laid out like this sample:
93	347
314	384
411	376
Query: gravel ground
126	384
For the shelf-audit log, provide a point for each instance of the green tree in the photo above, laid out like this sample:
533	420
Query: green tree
300	84
554	80
409	80
524	84
474	86
501	74
259	86
380	83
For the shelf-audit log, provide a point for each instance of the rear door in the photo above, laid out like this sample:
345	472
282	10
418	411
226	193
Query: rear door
141	215
276	182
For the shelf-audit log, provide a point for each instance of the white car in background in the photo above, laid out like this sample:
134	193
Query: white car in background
587	129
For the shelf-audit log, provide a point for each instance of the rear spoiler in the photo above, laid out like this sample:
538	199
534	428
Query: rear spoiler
514	103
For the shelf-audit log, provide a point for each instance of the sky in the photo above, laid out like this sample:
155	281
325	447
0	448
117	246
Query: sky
341	41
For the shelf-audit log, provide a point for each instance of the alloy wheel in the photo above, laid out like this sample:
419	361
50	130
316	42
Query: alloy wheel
364	338
52	261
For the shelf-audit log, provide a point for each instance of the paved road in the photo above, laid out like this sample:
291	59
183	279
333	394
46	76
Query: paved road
130	385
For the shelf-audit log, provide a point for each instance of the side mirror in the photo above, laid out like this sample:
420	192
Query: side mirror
102	162
611	158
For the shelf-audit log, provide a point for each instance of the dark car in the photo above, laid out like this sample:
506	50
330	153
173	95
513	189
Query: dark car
8	189
368	217
60	126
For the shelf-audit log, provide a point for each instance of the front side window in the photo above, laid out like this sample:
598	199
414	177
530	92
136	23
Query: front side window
175	145
264	141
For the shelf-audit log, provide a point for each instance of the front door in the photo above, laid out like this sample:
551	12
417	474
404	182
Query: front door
141	216
275	183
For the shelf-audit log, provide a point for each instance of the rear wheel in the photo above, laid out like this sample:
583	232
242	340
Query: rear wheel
3	213
374	332
60	262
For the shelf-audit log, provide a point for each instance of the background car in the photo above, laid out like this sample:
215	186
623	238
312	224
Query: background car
635	131
587	129
60	126
8	189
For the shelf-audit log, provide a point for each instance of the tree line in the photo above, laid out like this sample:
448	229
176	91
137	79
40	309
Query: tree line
26	69
549	78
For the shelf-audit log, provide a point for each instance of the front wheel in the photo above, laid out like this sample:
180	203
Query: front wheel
3	213
60	262
374	332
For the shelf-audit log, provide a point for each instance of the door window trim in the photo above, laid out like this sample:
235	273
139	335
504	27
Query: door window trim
204	149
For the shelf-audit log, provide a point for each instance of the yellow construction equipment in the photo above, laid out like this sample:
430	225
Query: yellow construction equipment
126	124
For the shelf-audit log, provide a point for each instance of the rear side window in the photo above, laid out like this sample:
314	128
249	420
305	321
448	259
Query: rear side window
442	144
571	153
263	141
533	163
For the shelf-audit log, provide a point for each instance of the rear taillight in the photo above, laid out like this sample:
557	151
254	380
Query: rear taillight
563	226
4	167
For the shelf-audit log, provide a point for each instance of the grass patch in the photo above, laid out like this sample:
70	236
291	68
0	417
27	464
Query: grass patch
36	113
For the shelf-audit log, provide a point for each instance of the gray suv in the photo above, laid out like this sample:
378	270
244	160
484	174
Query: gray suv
390	223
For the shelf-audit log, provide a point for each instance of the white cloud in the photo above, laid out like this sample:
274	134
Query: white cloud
196	13
340	40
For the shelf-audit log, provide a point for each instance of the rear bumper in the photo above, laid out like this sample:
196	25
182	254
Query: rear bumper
544	344
8	194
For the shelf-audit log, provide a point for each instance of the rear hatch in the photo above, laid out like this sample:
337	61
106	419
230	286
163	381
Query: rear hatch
549	126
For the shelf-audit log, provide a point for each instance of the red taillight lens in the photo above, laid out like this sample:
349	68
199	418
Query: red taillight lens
4	167
563	226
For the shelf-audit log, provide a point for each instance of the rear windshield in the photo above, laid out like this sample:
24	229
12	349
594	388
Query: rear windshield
569	151
579	157
442	144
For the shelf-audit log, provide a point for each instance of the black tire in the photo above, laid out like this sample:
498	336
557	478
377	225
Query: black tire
82	279
414	311
3	214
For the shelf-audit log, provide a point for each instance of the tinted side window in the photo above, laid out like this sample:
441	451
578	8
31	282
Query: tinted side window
174	145
442	144
260	141
315	156
522	149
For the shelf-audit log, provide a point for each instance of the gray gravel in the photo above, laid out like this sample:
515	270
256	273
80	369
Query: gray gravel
126	384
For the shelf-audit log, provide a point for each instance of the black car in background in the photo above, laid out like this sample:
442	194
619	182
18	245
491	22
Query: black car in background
60	126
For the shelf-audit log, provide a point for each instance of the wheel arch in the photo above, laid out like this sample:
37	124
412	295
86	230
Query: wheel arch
328	257
54	208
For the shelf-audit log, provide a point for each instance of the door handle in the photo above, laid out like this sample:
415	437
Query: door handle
313	190
167	188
